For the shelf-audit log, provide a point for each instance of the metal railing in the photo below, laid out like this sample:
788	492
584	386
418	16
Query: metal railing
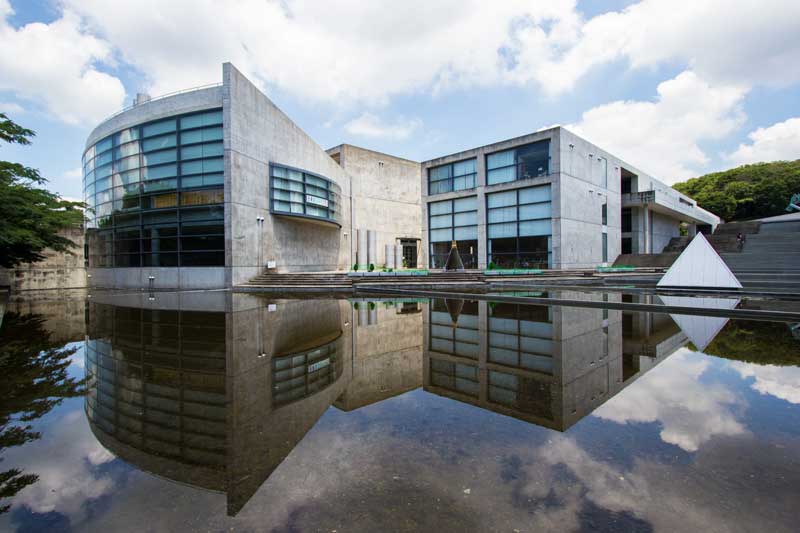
160	97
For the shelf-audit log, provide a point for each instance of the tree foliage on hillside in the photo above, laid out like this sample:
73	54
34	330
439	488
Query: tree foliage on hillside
755	341
750	191
30	217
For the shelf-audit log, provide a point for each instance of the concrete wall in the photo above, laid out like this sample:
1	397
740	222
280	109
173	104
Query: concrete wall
664	229
388	355
256	134
58	270
385	196
583	191
61	310
260	434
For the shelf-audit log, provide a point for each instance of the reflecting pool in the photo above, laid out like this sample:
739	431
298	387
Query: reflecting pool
211	411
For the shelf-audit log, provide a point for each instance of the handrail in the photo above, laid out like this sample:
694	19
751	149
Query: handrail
160	97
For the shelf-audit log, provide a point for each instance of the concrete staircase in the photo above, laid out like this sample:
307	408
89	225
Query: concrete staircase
770	258
301	281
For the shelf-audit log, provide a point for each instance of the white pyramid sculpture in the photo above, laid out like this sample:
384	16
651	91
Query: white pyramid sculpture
699	265
701	330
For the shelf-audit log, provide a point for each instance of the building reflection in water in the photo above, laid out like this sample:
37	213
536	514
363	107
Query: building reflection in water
212	391
551	366
216	389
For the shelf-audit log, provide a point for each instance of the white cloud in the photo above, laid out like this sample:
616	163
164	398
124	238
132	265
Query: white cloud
780	141
75	173
54	65
690	412
370	125
9	108
781	382
63	461
347	51
725	42
665	134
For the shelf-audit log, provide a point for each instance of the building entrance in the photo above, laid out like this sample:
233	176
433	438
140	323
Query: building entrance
409	252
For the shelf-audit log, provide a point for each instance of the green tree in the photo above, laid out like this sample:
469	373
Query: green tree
747	192
34	379
30	217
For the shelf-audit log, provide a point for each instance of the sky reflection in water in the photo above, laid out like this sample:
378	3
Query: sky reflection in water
352	416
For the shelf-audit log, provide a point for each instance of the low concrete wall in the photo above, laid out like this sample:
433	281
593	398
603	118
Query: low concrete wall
58	270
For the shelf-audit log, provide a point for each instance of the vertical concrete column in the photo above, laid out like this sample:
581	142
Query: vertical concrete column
373	315
483	243
371	245
389	256
483	351
398	256
363	314
692	230
483	237
361	251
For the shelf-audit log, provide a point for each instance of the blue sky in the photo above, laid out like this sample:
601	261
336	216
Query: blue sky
675	92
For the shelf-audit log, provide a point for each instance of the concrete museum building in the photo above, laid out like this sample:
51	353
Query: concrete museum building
208	187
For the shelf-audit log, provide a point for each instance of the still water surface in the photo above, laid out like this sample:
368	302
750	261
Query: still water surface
212	411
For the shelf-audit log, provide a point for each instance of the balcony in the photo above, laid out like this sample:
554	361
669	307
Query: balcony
670	203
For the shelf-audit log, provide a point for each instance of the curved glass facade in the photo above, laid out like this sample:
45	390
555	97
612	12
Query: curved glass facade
156	381
299	193
156	193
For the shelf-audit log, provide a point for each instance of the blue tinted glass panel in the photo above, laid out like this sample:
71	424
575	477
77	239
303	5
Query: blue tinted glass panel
158	128
167	141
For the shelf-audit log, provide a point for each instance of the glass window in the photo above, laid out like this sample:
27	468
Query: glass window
519	227
160	201
202	135
211	196
126	150
126	214
202	166
452	177
160	185
202	228
126	164
453	220
103	171
125	136
103	159
438	208
207	242
102	184
201	150
89	154
522	162
103	145
157	128
201	181
202	213
127	178
157	143
293	191
163	156
202	119
163	171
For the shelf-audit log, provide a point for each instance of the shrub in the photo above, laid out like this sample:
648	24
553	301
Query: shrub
491	265
355	267
371	267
